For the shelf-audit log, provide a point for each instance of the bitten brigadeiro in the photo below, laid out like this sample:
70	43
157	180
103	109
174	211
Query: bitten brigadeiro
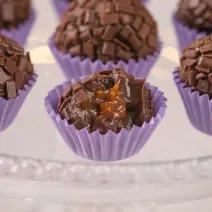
107	31
192	20
16	79
16	19
106	116
108	100
194	82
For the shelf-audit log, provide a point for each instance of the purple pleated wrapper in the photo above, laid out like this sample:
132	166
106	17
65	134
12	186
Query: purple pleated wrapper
185	35
109	147
144	1
198	107
61	5
10	108
20	33
73	66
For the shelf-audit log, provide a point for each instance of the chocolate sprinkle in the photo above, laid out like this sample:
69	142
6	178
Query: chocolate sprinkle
15	68
196	66
196	14
108	100
14	12
107	30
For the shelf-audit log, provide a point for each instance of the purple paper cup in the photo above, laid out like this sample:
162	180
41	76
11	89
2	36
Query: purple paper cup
144	1
109	147
20	33
10	108
198	107
73	66
61	5
185	35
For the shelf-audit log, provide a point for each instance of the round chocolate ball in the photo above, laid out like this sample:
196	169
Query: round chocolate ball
14	12
196	65
196	14
109	30
16	68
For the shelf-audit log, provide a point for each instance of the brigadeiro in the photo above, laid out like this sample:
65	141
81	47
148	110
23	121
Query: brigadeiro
194	82
95	35
16	79
61	5
16	19
106	116
192	20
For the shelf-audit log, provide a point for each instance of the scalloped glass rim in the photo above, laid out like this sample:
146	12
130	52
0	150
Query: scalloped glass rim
153	174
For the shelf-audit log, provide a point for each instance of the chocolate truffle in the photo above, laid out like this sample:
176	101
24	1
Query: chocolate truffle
14	12
15	68
196	14
196	65
108	30
108	100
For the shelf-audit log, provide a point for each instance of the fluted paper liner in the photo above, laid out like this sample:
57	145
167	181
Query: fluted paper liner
109	147
61	5
185	35
198	107
20	33
10	108
74	66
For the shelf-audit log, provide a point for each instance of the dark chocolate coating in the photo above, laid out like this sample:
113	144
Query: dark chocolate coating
109	30
196	14
196	65
14	12
16	68
108	100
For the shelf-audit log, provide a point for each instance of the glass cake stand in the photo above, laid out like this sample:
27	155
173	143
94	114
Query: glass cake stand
39	173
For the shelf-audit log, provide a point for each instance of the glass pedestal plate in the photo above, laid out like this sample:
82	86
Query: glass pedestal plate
39	173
